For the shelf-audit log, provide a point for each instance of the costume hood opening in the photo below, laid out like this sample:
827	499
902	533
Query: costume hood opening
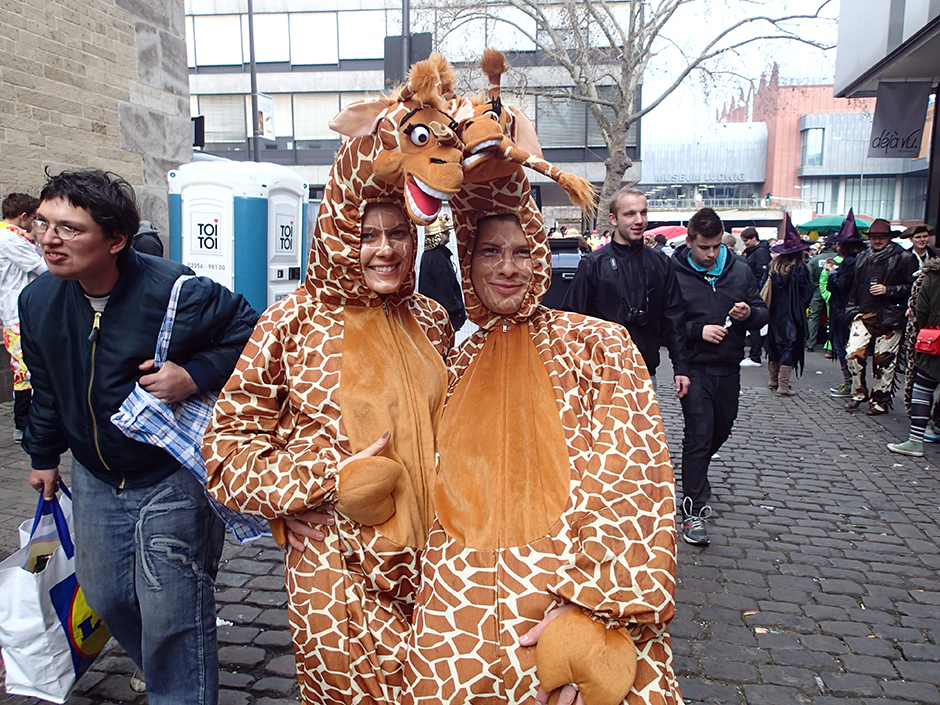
480	200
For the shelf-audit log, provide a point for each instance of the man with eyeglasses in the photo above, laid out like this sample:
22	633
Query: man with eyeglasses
147	542
634	285
20	262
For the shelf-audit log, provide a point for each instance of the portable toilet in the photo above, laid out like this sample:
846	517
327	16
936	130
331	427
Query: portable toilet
241	224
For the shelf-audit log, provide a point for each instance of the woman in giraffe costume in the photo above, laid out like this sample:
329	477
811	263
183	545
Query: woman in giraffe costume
552	559
338	395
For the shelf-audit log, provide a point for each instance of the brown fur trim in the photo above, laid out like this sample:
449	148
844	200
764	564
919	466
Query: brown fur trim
493	64
424	81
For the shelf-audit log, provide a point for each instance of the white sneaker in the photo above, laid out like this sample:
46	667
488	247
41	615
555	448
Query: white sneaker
748	362
137	683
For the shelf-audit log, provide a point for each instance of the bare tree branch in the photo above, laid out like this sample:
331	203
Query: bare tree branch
606	46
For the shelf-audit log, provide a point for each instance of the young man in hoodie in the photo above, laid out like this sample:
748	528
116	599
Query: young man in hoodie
723	303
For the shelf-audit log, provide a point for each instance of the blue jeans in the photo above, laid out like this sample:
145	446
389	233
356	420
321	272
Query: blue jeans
146	559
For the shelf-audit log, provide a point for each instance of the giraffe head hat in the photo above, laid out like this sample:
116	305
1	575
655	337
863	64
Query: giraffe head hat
500	139
402	148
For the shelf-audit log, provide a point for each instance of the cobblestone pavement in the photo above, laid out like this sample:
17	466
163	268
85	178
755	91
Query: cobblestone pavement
821	585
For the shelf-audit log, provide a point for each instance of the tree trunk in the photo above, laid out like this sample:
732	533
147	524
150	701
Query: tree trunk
617	164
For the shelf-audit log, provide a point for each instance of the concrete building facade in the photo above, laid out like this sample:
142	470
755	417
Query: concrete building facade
817	147
94	83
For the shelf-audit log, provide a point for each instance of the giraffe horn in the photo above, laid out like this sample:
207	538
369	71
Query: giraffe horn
494	65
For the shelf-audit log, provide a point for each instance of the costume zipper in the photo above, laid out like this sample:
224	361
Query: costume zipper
385	308
93	337
505	325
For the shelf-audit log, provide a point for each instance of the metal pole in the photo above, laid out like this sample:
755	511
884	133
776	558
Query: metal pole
255	131
405	39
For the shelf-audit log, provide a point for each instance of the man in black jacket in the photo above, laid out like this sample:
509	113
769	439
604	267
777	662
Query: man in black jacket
437	278
634	285
757	252
876	309
722	303
147	542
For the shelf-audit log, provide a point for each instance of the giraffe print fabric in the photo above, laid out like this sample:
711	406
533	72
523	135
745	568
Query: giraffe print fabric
610	549
327	371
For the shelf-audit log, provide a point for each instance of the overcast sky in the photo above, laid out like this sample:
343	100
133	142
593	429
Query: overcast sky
692	107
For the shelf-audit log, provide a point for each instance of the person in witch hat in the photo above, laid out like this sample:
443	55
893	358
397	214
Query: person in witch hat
841	273
876	310
790	292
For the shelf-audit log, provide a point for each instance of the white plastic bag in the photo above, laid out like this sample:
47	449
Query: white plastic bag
48	634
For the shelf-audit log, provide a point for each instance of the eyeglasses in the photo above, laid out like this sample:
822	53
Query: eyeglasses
63	232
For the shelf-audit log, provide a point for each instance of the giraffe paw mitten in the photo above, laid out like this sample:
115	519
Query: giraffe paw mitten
364	492
601	662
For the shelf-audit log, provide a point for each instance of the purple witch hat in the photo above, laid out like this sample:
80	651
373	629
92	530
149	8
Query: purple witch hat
848	232
792	242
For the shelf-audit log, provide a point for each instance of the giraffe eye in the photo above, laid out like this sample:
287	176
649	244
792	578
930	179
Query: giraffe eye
420	135
491	114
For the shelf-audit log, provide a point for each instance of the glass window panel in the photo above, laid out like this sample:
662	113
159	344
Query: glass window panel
346	99
525	102
811	150
313	38
875	198
362	34
312	115
506	36
465	42
913	197
560	122
594	132
225	117
271	38
190	43
283	115
217	40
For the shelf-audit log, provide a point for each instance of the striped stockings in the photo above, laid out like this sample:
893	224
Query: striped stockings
921	401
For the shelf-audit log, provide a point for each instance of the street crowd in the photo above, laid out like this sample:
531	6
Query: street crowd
489	522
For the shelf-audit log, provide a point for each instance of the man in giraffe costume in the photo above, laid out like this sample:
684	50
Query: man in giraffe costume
338	395
552	559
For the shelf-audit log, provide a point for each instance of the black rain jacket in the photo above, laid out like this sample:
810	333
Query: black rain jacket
706	304
897	273
615	278
80	380
758	259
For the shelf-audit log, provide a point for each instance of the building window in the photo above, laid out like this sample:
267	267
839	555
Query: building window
913	197
566	122
226	122
872	196
812	150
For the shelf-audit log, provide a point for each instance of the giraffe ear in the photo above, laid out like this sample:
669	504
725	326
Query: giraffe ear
359	119
523	132
461	109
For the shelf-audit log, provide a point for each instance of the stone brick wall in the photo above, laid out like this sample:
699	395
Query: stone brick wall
94	83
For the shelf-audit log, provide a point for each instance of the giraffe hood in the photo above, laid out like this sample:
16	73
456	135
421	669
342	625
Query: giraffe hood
499	140
507	195
334	272
402	149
